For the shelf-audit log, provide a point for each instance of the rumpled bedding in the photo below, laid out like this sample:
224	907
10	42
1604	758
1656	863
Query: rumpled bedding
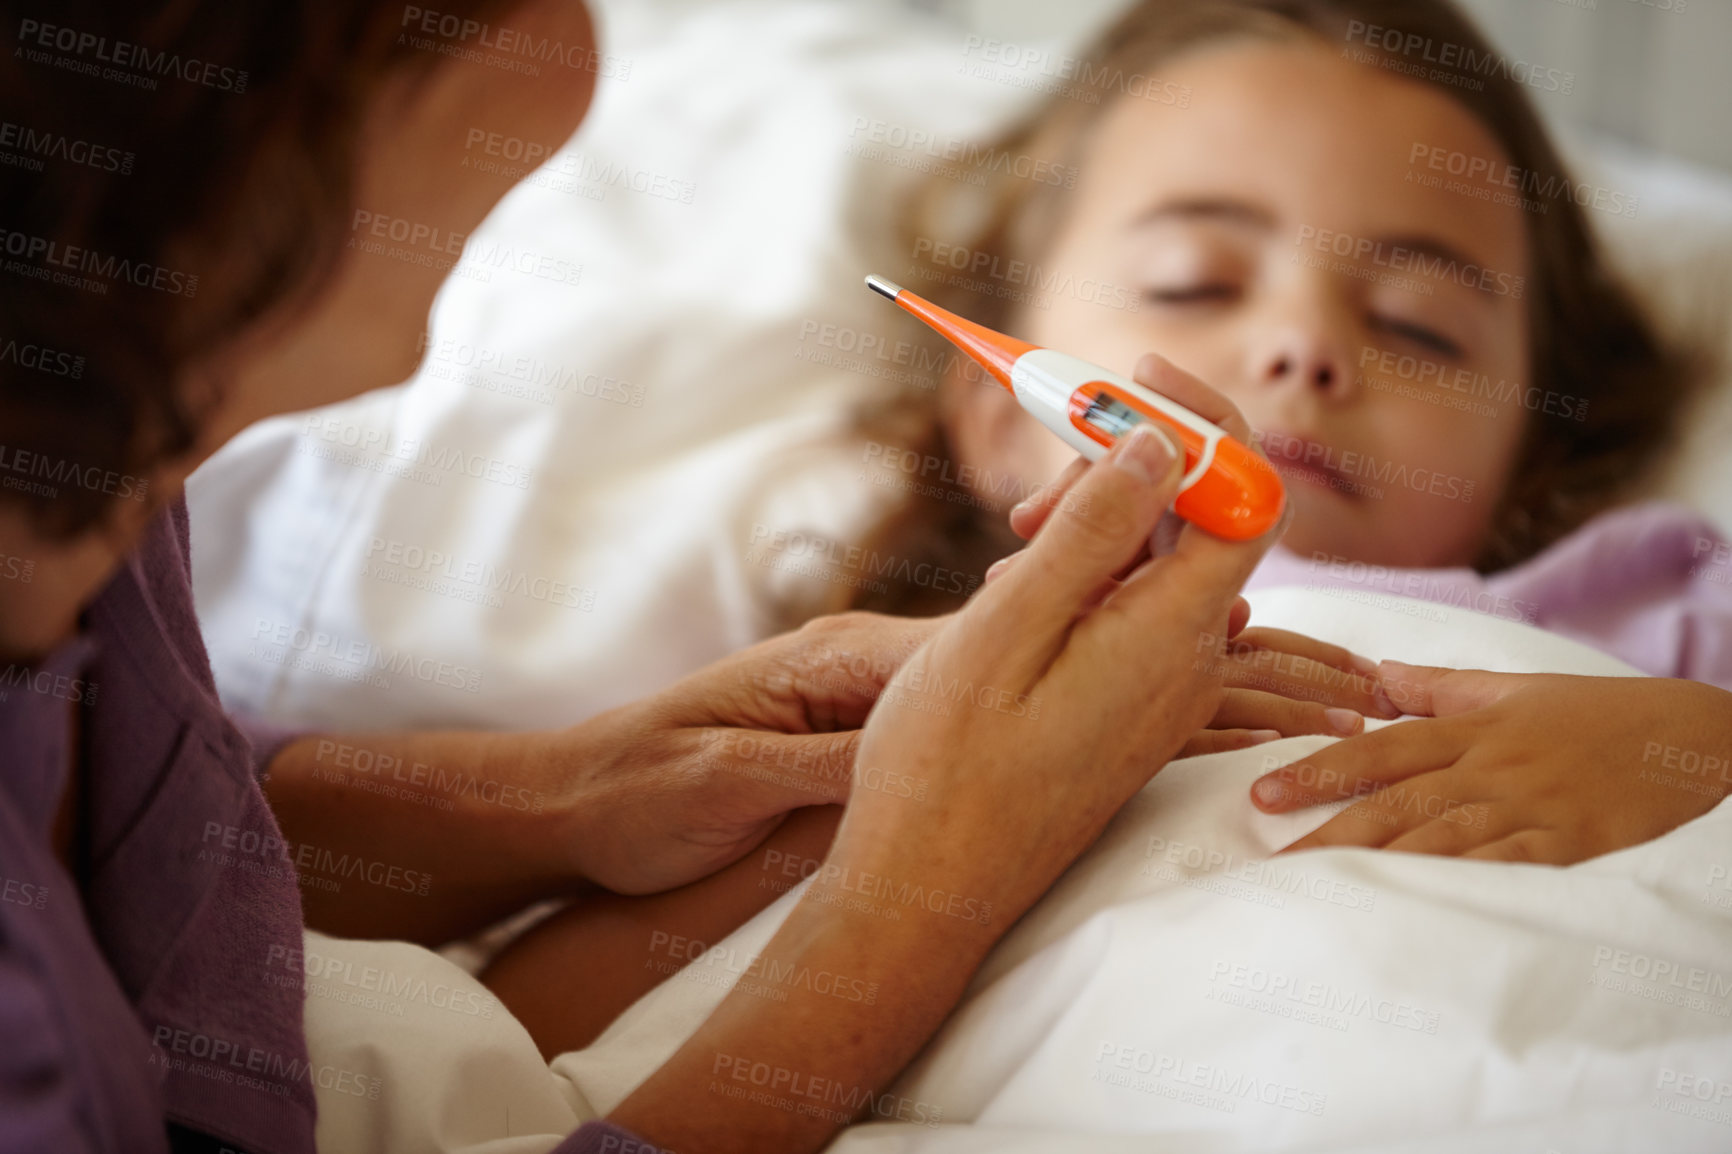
1180	991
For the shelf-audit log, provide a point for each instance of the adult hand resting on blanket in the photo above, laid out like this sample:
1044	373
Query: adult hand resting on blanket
1518	767
1108	641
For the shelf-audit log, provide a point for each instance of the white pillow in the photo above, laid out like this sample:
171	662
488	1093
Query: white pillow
695	380
1676	250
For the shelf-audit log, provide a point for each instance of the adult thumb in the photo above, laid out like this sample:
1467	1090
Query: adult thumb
1102	526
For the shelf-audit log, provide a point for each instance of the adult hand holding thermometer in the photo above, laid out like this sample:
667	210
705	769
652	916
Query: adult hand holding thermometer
1227	488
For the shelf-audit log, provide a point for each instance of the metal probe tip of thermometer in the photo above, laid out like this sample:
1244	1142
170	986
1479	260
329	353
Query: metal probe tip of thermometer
1227	489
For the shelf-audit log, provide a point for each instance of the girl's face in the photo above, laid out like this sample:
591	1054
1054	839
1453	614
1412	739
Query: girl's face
1281	238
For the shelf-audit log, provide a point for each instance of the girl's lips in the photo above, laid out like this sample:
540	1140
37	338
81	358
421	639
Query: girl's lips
1322	478
1304	459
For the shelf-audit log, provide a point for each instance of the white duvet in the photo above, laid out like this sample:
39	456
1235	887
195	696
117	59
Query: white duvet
1177	991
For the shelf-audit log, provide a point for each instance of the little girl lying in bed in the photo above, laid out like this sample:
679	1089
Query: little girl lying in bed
1449	376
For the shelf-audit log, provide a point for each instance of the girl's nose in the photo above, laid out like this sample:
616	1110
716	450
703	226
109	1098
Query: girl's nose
1302	349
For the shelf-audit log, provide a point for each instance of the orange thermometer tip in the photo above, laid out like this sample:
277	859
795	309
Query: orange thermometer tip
996	352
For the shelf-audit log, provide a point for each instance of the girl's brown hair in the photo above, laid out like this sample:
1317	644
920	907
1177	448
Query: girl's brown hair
1590	342
182	169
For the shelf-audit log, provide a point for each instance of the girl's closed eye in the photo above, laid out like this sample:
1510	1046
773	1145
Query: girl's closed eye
1185	264
1423	334
1193	293
1448	324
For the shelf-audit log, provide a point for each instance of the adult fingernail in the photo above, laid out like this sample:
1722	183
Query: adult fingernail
1343	720
1399	673
1362	664
1147	454
1269	791
994	569
1259	736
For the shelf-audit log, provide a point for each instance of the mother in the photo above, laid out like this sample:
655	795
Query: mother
188	206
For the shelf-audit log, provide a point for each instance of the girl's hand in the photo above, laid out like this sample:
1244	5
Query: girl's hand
1283	684
1278	683
1052	697
1518	767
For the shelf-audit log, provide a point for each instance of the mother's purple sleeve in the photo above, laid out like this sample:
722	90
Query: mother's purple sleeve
266	738
605	1138
39	1087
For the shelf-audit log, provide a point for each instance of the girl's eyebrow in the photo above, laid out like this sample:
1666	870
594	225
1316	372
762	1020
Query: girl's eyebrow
1221	208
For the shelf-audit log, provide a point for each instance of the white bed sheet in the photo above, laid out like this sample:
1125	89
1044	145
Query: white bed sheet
1459	1006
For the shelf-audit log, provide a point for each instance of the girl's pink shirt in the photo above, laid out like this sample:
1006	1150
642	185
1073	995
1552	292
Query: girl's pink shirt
1650	584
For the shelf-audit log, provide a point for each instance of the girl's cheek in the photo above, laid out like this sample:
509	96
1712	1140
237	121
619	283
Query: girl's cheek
1437	483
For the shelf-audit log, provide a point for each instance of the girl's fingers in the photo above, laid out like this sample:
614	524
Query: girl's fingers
1357	766
1400	811
1429	691
1311	649
1534	846
1259	659
1206	741
1372	823
1252	709
1452	835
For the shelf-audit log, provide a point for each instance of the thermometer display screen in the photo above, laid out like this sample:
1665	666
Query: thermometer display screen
1110	415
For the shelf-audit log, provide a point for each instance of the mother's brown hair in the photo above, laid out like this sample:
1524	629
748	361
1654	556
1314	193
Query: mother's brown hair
177	171
1590	342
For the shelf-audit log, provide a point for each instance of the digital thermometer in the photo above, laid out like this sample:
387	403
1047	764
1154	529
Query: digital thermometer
1227	489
